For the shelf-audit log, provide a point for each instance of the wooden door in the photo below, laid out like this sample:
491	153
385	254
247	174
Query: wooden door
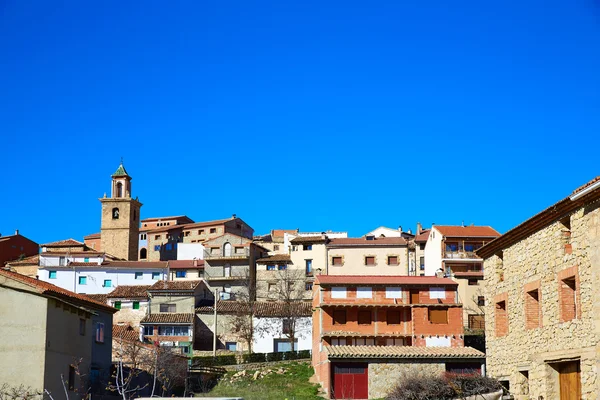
570	380
414	296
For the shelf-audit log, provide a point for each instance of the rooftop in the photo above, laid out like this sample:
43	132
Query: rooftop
175	285
274	259
120	171
382	280
168	318
265	309
402	352
31	260
126	332
309	239
129	292
64	243
467	231
186	264
423	236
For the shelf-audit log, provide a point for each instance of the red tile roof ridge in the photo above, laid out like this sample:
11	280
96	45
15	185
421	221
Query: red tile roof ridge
175	285
92	236
402	352
35	259
382	280
50	289
466	231
63	243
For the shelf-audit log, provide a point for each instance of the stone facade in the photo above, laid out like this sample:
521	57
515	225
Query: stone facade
554	273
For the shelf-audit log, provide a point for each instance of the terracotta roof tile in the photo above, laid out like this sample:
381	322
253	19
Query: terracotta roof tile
382	280
186	264
175	217
63	243
31	260
52	290
92	236
169	318
83	264
279	233
265	309
467	231
175	285
380	241
423	236
129	292
275	259
582	187
309	239
402	352
126	332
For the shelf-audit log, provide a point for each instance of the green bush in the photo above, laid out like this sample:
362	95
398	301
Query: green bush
223	359
274	356
253	358
303	354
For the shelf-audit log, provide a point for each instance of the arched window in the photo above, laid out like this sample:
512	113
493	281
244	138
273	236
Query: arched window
227	249
119	189
115	213
143	254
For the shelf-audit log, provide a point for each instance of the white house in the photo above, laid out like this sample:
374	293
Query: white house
93	278
272	326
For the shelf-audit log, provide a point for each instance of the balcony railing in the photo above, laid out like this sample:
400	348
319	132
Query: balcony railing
461	255
220	254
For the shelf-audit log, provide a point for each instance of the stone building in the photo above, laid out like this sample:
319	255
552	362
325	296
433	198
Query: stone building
119	229
367	329
543	301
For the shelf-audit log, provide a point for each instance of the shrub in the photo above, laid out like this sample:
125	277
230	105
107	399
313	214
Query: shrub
275	356
444	386
253	358
303	354
223	359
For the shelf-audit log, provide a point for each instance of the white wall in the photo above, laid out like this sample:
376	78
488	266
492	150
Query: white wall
272	328
433	252
52	260
189	251
68	278
387	232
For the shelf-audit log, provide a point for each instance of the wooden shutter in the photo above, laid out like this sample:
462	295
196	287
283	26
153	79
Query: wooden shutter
438	316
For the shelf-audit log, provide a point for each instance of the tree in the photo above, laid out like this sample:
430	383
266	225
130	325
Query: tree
290	291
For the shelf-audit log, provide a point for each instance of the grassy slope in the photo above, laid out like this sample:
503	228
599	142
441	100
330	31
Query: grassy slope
293	385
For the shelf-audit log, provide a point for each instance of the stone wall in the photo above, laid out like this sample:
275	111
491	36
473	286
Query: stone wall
526	354
383	377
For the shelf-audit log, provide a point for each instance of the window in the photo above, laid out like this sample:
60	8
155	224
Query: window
501	319
115	213
270	268
437	293
156	237
422	263
339	317
157	247
156	276
308	268
393	317
201	232
117	305
180	274
213	230
239	250
62	261
393	293
143	254
286	326
139	275
338	292
136	305
173	331
231	346
532	309
364	293
169	247
282	267
392	260
369	260
438	316
82	326
568	299
364	317
275	247
451	247
107	283
86	259
83	280
227	270
283	345
187	233
337	261
272	287
308	286
473	282
307	247
71	381
480	301
170	308
52	274
99	332
148	330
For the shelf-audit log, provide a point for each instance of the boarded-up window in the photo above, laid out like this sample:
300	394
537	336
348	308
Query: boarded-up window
532	309
438	315
370	260
339	317
393	317
501	319
568	299
364	317
336	260
392	260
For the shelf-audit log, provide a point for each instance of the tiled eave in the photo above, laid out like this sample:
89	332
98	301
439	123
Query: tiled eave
403	352
365	335
389	305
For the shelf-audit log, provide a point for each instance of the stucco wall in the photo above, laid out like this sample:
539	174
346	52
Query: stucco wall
433	252
543	257
353	261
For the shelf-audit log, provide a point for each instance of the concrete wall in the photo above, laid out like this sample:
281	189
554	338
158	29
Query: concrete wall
542	259
353	261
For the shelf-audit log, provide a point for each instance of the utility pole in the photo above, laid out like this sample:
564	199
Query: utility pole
215	320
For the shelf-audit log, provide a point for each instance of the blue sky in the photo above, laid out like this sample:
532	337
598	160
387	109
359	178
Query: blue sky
314	115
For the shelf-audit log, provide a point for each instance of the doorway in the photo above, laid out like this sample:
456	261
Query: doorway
569	377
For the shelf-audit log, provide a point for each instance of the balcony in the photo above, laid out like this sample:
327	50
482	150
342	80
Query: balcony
460	255
226	254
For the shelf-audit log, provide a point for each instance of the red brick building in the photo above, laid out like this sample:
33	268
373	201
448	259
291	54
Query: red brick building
363	323
16	246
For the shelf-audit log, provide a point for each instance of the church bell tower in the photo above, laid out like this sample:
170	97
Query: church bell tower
120	226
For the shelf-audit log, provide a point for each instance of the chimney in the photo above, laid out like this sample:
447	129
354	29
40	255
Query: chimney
439	273
419	228
400	228
233	216
195	262
16	232
463	224
409	231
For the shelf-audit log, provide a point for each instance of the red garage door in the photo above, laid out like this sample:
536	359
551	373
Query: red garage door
350	381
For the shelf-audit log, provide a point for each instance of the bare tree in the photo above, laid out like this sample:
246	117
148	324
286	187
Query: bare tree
243	317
